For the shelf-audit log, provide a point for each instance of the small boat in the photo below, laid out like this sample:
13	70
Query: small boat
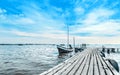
20	44
62	49
78	49
83	46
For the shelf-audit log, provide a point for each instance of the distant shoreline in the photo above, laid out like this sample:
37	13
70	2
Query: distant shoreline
27	44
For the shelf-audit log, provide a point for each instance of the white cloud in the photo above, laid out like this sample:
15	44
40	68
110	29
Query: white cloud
34	19
24	34
115	4
98	15
99	40
98	23
105	28
38	35
2	11
24	21
57	9
79	10
15	19
43	25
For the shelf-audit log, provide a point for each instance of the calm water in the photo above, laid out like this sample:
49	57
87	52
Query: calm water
28	59
34	59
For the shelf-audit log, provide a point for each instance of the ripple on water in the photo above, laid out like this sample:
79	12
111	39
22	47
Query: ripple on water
27	59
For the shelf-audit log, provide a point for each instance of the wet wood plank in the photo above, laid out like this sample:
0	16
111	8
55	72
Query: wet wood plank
88	62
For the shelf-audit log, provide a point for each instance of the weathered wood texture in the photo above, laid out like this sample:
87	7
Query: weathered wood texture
88	62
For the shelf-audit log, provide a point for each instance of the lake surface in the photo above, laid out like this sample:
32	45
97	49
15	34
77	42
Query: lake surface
34	59
28	59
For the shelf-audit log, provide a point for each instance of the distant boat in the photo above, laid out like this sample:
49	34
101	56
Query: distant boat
62	49
20	44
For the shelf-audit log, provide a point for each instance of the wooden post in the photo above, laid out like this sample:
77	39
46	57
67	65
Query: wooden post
74	44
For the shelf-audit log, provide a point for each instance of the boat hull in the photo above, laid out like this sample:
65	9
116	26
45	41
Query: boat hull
63	50
78	49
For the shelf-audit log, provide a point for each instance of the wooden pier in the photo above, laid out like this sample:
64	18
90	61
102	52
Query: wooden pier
113	50
87	62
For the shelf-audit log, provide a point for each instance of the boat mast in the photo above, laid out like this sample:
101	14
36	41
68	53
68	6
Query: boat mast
67	36
74	43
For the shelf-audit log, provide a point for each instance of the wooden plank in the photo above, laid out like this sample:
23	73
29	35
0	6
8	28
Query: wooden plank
66	64
101	69
71	70
66	67
88	62
67	70
112	68
106	68
60	66
86	67
91	67
96	66
81	67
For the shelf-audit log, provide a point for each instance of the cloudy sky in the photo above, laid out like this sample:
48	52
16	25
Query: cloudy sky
45	21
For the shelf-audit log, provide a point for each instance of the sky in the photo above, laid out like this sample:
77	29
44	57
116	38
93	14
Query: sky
46	21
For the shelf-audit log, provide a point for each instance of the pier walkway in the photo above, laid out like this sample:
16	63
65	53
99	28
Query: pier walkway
87	62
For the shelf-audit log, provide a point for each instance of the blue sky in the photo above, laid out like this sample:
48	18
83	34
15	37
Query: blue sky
45	21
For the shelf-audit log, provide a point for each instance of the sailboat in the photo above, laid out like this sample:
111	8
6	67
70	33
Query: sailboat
62	48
